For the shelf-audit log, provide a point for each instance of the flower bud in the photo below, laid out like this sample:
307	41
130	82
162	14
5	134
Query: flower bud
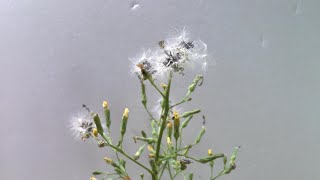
189	113
225	159
203	130
123	127
107	114
210	153
164	86
186	122
150	148
97	121
93	178
144	134
124	121
95	132
108	160
148	140
97	173
139	152
101	144
210	158
176	125
169	129
105	104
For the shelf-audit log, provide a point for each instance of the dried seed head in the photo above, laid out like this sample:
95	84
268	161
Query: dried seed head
101	144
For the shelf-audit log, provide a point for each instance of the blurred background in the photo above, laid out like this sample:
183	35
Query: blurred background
261	90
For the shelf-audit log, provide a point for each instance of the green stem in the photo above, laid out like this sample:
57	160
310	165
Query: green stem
146	108
220	174
126	155
164	118
163	168
180	139
169	169
176	174
181	102
155	86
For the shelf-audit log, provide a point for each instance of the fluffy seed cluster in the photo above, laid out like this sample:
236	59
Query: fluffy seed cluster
173	54
82	125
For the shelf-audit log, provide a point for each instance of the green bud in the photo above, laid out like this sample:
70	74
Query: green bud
122	163
107	114
141	176
169	129
154	128
97	173
97	121
203	130
124	121
123	127
176	125
148	140
211	163
193	85
186	122
143	134
189	113
190	177
225	159
139	152
210	158
234	154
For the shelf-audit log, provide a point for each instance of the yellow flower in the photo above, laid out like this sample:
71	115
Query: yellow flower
164	86
105	104
93	178
95	132
150	148
126	113
210	153
169	141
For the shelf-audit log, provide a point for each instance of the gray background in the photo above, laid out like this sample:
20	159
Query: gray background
263	92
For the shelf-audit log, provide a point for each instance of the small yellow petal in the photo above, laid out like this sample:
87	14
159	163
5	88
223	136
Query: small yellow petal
105	104
108	160
95	132
150	148
126	113
210	153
